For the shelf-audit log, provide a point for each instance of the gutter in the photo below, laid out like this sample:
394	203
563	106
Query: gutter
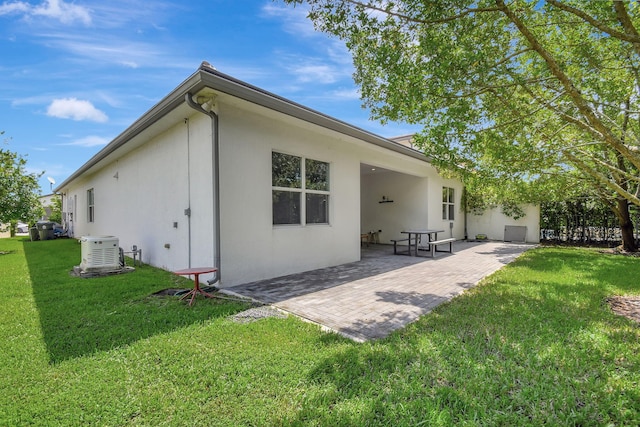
215	141
227	84
208	77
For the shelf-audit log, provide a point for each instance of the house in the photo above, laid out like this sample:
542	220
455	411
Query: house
223	173
48	204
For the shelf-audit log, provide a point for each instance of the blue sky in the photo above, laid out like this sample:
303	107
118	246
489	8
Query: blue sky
75	74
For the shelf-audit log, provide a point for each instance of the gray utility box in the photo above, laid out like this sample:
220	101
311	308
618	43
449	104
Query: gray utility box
515	233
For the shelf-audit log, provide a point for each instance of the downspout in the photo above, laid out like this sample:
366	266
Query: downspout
215	141
187	211
464	203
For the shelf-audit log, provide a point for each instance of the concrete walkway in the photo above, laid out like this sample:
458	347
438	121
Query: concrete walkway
368	299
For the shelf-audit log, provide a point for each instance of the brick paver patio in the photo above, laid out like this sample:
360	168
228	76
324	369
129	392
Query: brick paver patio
383	292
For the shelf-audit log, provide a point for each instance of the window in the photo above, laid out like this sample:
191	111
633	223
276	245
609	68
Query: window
448	205
90	206
300	190
317	191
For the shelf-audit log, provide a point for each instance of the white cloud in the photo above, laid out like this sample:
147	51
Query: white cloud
108	98
337	51
89	141
318	70
76	109
334	63
111	49
129	64
294	19
67	13
315	73
347	94
136	15
15	7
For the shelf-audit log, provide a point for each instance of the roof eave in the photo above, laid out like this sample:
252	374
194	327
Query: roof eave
227	84
206	76
167	104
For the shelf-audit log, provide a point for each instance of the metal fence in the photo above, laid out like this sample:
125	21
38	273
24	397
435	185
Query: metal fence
583	221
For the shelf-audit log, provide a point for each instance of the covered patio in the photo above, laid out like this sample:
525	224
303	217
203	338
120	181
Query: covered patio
383	292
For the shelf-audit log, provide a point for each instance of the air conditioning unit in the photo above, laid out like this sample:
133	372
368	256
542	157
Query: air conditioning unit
99	253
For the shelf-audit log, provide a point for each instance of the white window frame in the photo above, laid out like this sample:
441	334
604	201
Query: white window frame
91	207
448	204
303	191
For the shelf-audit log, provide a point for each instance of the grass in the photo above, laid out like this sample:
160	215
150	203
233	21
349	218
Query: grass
535	344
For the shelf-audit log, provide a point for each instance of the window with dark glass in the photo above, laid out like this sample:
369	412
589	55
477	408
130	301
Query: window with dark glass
90	206
286	207
300	190
317	208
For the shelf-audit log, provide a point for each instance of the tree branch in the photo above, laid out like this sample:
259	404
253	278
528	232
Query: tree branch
573	92
628	37
625	21
615	170
491	88
565	116
510	57
423	21
601	178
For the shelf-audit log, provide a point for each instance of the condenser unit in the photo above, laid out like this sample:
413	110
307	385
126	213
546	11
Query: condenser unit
99	253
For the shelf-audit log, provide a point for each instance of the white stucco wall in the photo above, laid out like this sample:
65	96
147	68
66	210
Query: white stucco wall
493	221
409	208
151	192
140	196
253	249
417	203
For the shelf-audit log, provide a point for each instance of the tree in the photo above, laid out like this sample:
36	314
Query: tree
515	93
19	190
56	209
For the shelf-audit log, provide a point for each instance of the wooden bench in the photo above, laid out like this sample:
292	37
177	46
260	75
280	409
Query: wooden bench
433	245
395	246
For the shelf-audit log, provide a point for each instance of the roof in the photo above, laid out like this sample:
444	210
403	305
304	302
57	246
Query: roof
208	77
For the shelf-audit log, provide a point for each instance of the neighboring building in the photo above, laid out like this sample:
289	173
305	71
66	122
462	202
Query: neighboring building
406	140
47	202
223	173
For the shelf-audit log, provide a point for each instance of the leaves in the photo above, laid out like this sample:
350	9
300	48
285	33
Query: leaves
19	190
513	94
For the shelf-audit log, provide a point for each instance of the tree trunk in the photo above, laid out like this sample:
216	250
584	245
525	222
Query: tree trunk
626	225
622	205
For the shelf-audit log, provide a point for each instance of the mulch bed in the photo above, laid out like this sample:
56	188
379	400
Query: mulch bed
619	251
627	306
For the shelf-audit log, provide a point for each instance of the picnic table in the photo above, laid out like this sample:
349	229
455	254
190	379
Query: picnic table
415	237
432	235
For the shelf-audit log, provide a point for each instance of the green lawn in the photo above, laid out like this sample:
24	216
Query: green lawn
535	344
